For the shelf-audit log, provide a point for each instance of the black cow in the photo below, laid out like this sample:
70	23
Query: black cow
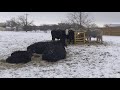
54	53
19	57
39	47
51	50
59	34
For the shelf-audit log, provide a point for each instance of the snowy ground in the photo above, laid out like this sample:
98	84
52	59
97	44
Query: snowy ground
83	61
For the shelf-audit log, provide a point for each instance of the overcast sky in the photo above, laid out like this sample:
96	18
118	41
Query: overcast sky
39	18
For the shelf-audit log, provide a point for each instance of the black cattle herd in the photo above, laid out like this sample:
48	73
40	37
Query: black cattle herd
51	51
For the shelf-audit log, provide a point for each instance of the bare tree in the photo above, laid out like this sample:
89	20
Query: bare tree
106	25
93	26
23	21
79	19
12	23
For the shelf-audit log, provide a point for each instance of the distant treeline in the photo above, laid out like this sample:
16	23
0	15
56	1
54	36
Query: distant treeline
54	26
44	27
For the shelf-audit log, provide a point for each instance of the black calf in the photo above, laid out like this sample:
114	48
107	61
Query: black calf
19	57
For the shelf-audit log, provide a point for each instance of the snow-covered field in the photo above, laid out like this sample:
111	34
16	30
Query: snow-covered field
83	61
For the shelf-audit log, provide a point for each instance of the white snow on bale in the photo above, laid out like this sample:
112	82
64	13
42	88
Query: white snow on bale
83	61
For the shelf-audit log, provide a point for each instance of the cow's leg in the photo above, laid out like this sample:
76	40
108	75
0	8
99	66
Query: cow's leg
53	38
73	40
89	39
101	39
63	41
69	40
66	40
97	39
